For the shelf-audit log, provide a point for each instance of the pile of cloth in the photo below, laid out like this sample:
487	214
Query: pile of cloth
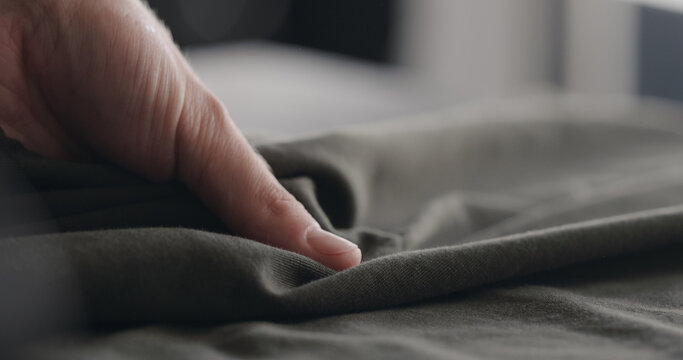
547	227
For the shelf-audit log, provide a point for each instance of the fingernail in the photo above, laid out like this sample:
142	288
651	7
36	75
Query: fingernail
327	243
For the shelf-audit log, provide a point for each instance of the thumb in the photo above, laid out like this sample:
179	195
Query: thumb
216	162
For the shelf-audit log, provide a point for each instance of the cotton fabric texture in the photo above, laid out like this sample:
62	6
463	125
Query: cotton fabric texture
549	227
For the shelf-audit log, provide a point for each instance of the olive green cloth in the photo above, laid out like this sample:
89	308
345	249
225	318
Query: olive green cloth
542	228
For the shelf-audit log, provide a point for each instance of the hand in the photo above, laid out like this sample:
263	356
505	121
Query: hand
83	76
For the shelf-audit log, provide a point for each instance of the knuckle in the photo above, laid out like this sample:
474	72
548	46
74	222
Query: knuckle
213	108
279	222
281	204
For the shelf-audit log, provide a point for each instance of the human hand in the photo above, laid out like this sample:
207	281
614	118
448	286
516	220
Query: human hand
85	76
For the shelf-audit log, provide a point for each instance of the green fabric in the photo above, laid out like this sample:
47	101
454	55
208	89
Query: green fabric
549	228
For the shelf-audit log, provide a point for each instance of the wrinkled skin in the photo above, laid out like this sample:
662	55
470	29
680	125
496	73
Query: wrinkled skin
85	77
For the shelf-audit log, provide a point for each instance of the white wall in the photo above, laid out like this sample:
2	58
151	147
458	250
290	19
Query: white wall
601	46
480	47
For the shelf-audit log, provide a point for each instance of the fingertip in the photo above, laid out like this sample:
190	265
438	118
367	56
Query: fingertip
342	261
332	250
327	243
346	260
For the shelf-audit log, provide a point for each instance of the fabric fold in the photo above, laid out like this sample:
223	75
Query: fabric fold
442	204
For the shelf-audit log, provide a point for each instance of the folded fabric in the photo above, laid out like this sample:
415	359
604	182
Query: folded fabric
461	216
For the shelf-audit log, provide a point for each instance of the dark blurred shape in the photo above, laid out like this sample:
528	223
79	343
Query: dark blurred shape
661	53
211	20
358	28
203	22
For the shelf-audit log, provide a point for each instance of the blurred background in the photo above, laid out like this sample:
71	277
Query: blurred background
299	66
